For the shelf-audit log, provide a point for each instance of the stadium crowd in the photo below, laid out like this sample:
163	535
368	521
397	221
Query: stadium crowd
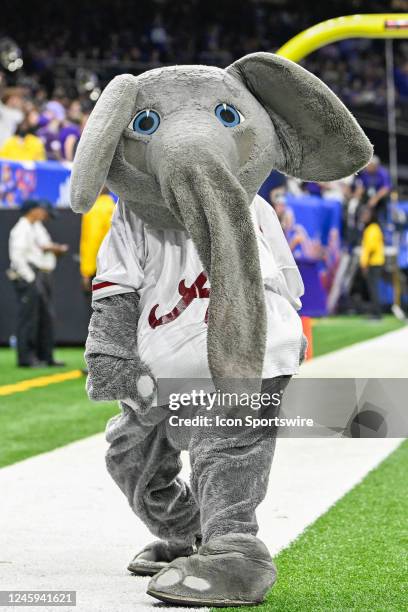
46	101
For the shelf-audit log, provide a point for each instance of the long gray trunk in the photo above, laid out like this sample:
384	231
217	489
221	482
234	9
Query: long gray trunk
214	209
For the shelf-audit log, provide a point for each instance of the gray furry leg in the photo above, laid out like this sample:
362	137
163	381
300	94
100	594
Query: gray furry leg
230	472
145	466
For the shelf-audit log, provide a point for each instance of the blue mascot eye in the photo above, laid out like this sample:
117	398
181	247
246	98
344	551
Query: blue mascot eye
146	122
228	115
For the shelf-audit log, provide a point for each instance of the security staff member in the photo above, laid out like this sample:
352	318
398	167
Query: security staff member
33	258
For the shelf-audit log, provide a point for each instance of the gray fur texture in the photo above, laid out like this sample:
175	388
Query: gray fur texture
157	555
114	365
144	460
230	570
230	470
195	174
146	466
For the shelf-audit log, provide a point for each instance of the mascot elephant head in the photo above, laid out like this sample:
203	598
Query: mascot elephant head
187	148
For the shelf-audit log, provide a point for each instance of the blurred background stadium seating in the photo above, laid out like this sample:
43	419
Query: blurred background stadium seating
71	50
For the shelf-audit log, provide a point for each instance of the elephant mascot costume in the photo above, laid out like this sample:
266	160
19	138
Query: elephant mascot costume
196	281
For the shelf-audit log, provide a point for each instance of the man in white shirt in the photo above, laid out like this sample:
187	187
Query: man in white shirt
32	259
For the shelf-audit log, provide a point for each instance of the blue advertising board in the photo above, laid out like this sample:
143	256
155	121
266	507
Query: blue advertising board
21	181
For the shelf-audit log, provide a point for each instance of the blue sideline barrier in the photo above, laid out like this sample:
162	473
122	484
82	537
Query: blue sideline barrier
20	181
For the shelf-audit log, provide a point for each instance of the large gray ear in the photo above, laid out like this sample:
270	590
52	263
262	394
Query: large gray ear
321	140
112	113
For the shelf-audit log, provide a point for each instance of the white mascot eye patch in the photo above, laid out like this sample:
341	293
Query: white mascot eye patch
146	122
228	115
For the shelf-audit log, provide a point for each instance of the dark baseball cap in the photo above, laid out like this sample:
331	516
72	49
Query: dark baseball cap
28	205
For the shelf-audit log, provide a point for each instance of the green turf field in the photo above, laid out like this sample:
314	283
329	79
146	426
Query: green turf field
41	419
354	557
333	333
73	357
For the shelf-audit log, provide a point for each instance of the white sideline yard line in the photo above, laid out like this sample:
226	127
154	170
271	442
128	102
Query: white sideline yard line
64	525
383	357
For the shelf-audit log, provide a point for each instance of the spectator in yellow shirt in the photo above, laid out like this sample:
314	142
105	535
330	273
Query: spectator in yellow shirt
372	258
95	225
24	145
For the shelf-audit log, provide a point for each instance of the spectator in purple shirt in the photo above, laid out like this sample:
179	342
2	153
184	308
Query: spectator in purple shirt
373	186
52	119
59	133
69	136
71	130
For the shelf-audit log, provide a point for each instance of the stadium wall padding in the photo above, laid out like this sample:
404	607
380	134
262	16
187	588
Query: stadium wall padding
71	305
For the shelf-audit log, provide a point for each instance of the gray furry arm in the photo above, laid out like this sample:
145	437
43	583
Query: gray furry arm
111	354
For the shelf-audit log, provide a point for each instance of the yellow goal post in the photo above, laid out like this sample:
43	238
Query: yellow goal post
386	25
382	25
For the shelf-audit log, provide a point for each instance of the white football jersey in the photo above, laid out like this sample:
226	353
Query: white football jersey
164	268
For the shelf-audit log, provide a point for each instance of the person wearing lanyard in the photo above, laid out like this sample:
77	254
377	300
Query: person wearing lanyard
32	260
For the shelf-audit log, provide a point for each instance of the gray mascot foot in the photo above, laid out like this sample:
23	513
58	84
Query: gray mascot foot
230	570
156	556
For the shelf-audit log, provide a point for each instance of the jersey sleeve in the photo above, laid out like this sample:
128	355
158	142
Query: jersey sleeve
271	229
121	257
